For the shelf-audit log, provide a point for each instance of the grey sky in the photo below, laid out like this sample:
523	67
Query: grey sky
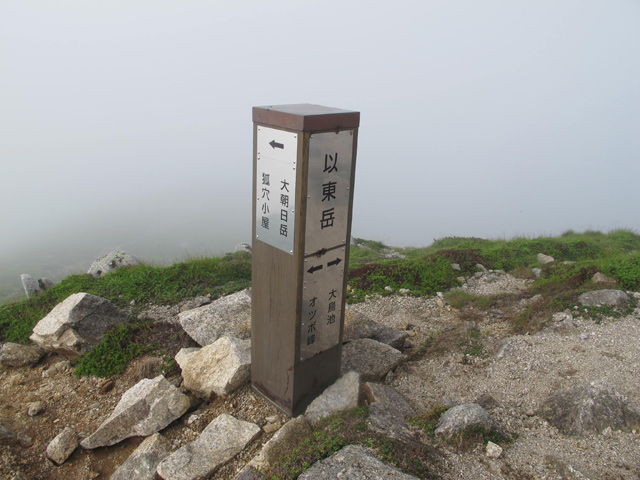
478	118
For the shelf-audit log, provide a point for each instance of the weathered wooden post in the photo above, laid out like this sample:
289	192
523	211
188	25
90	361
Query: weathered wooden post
304	160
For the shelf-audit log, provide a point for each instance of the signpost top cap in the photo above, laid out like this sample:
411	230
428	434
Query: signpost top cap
306	117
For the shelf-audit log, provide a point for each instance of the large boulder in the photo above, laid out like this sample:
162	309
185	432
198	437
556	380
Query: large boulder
218	368
143	462
353	462
371	359
611	298
16	355
591	408
143	410
76	324
223	439
229	315
110	262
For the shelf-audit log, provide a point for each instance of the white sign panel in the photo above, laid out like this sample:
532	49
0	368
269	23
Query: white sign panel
321	302
330	162
276	187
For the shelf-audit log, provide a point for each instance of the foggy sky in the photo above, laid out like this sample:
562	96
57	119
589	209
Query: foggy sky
128	124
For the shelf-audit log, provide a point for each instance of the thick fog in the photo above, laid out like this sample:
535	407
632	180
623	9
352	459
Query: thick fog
127	125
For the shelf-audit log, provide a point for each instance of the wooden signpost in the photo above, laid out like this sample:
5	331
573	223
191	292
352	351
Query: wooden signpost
303	174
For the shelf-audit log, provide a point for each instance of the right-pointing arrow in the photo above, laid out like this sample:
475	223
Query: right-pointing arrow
334	262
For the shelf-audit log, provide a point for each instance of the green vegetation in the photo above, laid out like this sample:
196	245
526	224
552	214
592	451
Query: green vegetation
120	345
141	284
421	276
578	256
350	428
429	422
423	271
458	298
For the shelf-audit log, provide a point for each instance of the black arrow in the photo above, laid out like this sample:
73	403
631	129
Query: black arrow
314	269
275	144
334	262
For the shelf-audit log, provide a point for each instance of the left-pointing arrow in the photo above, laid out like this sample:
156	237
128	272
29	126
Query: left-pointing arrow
275	144
314	269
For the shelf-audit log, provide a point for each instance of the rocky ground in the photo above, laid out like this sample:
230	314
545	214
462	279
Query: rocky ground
510	375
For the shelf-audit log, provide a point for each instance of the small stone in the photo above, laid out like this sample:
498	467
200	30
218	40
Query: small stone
602	278
192	419
44	284
455	266
544	259
283	442
272	418
493	450
34	408
271	427
56	368
62	446
243	247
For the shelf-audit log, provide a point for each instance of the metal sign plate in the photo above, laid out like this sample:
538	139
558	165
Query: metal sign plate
276	187
329	180
321	302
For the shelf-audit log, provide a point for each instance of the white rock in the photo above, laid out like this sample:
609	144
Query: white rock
544	259
283	442
76	324
110	262
143	462
144	409
353	462
218	368
31	288
223	438
61	447
493	450
229	315
462	417
34	408
342	395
